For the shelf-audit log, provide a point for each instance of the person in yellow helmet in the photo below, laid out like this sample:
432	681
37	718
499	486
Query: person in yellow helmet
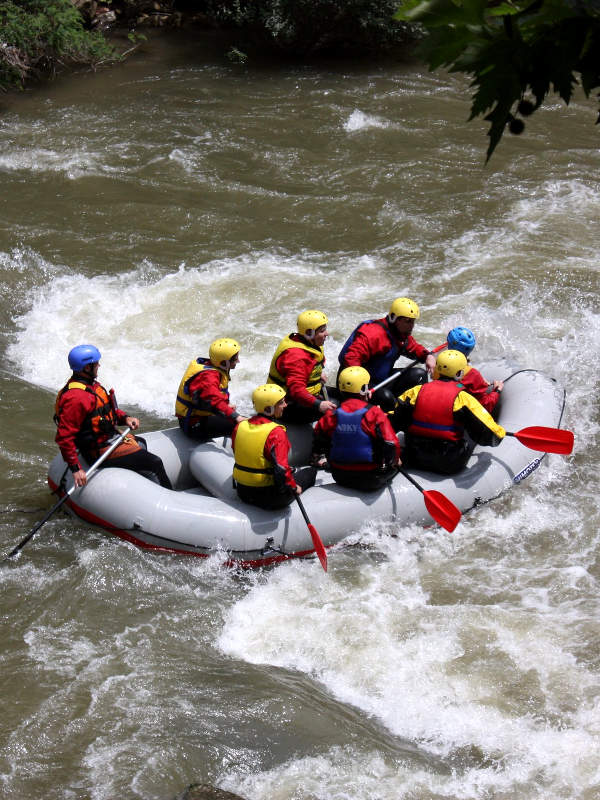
443	422
357	438
376	344
202	405
262	473
297	366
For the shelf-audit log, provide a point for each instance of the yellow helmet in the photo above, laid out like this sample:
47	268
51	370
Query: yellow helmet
451	364
223	350
354	380
266	397
309	321
403	307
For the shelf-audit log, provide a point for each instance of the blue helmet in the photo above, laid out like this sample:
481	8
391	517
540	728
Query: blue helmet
461	339
82	355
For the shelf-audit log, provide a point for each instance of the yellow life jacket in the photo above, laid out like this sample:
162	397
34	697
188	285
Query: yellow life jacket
251	468
185	407
314	379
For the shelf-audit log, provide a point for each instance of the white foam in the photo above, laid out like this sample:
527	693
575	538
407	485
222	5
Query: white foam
359	121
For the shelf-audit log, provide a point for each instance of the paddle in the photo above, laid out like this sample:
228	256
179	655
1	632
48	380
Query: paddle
444	512
65	497
317	542
412	364
548	440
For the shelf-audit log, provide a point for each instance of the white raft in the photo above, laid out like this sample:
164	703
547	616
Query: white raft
203	514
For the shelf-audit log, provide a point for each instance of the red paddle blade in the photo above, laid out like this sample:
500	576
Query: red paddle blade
319	546
444	512
548	440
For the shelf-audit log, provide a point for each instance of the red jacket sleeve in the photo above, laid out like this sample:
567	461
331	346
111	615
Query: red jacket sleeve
295	365
75	405
372	339
207	385
323	432
276	450
378	426
476	385
413	349
369	341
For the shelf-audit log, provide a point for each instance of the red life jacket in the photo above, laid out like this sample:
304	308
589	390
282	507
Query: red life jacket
433	416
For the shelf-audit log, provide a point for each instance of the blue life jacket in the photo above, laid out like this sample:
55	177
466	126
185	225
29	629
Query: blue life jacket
350	445
380	367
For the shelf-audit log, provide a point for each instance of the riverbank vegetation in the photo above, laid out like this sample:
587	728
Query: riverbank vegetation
516	52
38	37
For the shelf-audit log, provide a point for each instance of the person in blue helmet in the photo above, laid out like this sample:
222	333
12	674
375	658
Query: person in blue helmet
488	394
86	416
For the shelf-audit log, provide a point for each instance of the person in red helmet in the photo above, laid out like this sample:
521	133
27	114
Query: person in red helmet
86	416
357	438
202	405
376	344
297	366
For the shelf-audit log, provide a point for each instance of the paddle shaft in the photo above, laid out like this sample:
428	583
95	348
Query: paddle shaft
412	364
411	480
317	541
443	510
66	496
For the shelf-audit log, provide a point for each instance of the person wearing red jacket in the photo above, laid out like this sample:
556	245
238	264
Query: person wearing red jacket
357	438
262	473
488	394
376	344
202	405
297	366
86	416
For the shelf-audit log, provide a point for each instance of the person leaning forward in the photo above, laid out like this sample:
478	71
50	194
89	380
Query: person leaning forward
262	473
376	344
86	416
202	405
443	422
297	366
488	394
357	438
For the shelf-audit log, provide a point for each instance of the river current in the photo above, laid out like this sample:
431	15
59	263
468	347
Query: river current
153	207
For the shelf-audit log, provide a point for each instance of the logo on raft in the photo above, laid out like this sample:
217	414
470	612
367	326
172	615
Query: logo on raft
527	471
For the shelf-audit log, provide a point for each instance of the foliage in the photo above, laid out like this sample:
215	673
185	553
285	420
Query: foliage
305	27
517	51
36	35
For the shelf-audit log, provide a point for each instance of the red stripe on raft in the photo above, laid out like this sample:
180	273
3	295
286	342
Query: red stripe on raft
129	537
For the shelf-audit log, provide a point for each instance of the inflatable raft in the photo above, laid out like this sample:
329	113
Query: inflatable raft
203	514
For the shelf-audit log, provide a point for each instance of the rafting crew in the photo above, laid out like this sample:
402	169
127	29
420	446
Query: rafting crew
376	344
262	474
443	422
86	416
297	366
202	405
357	438
488	394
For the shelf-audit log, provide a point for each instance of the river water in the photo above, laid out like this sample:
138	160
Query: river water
153	207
